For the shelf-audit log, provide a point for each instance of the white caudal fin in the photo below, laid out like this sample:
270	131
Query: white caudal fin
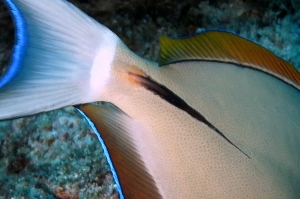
57	46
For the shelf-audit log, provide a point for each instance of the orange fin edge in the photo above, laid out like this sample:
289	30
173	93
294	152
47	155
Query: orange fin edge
227	47
115	128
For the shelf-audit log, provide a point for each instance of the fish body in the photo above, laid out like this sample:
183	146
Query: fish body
220	119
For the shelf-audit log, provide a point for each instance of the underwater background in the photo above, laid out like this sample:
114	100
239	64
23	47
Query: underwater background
56	154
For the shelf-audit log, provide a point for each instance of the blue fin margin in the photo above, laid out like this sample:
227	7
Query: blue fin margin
18	51
106	153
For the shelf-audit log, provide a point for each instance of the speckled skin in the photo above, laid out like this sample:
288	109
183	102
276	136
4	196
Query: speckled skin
169	143
259	113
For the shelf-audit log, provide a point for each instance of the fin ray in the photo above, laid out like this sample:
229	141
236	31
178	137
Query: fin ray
117	130
227	47
53	67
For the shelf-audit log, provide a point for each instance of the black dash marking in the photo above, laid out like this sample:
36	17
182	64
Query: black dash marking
175	100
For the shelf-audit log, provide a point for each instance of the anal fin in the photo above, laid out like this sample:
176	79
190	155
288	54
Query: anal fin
117	130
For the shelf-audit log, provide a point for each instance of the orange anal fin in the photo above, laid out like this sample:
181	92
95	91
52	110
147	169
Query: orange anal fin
116	129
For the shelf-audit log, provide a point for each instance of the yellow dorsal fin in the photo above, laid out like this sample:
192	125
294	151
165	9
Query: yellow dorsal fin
227	47
117	130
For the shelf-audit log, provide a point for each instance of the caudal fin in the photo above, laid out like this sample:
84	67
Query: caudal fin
56	48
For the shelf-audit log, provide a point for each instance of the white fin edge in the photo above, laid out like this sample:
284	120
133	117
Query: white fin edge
62	57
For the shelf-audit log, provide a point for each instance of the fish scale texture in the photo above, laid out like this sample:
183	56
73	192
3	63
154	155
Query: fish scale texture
277	35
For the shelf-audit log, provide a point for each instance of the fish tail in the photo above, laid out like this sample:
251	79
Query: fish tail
56	49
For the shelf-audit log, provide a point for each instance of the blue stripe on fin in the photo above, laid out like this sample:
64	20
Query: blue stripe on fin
18	51
106	153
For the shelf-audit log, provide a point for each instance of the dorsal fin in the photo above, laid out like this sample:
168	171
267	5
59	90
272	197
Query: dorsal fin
227	47
117	130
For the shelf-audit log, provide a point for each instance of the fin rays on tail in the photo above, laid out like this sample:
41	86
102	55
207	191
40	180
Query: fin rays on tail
63	57
52	59
19	46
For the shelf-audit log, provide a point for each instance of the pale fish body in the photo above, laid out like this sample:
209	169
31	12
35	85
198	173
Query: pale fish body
221	119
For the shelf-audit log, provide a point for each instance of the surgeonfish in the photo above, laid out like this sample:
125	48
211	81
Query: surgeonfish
217	117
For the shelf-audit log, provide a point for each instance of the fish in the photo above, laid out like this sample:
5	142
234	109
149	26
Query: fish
217	116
